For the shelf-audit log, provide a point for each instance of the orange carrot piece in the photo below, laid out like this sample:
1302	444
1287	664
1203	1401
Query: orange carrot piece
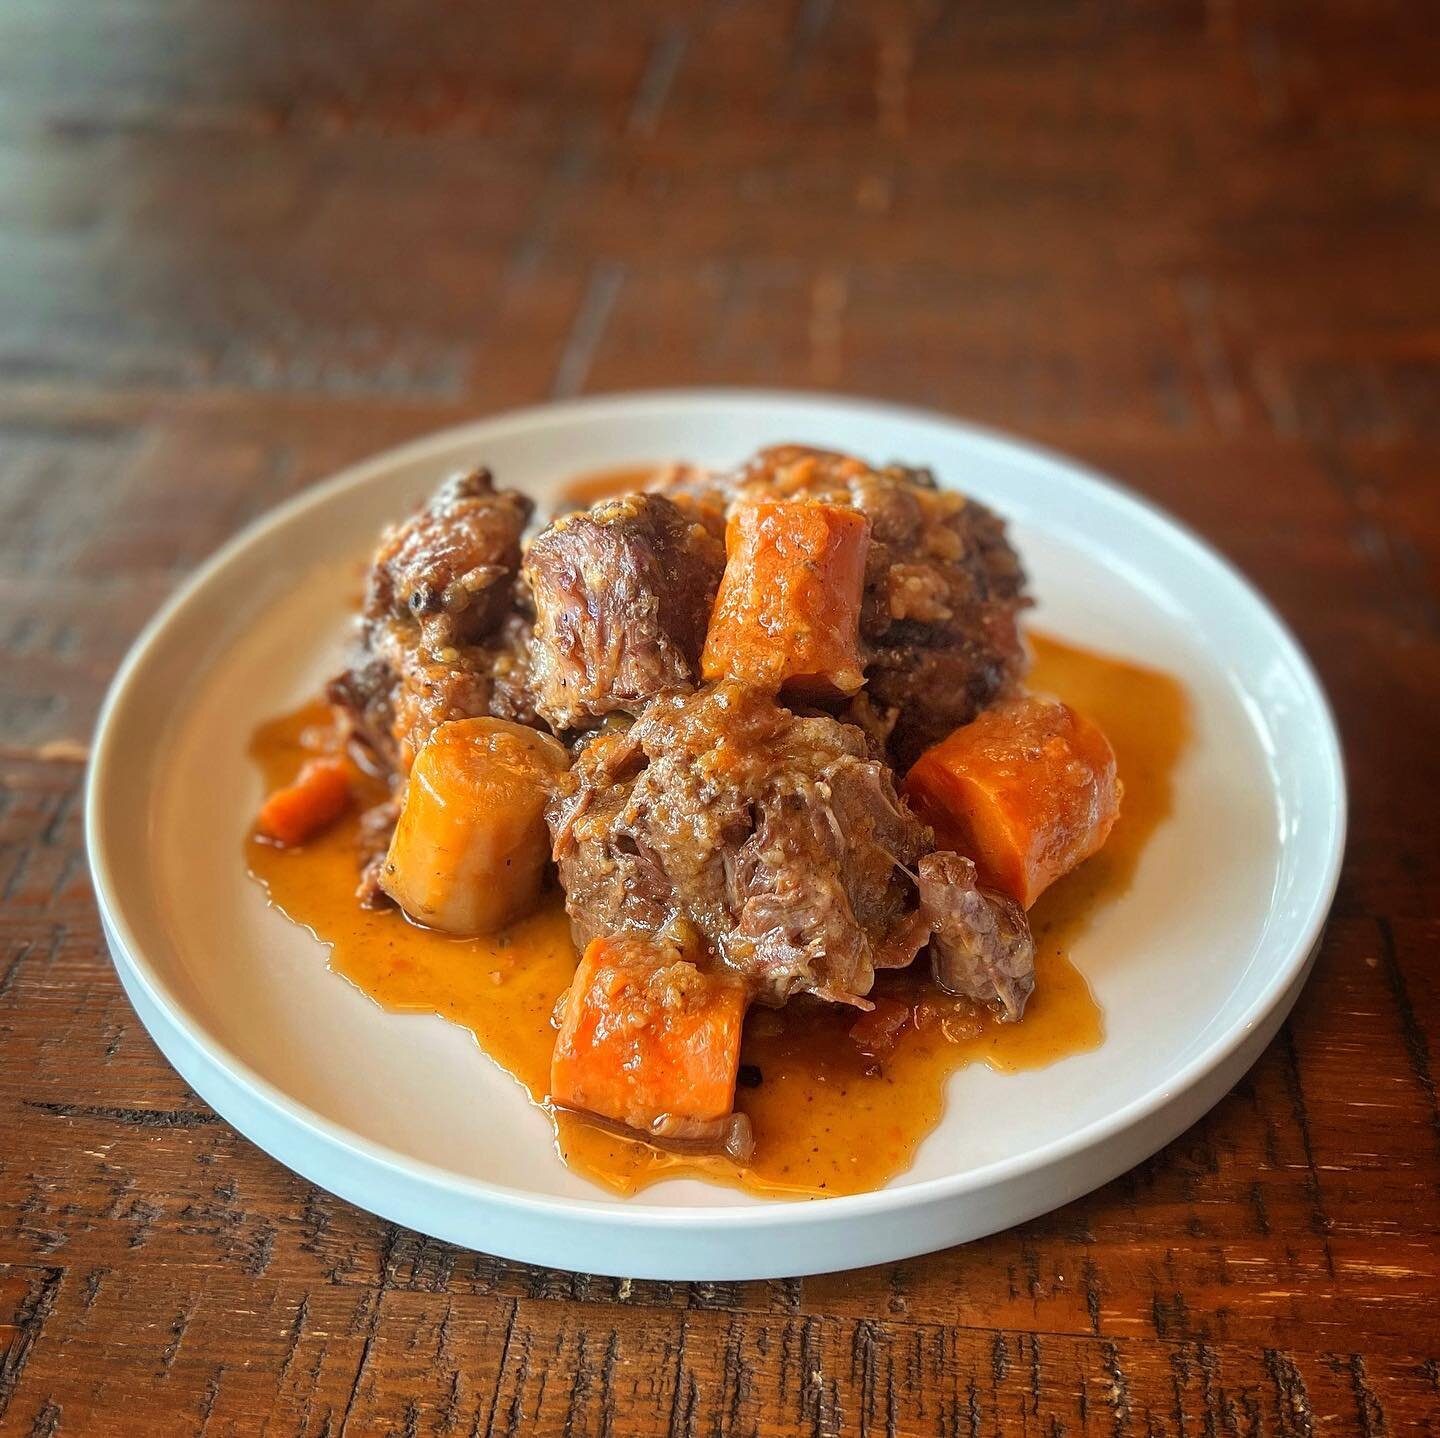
645	1033
788	611
1027	791
299	811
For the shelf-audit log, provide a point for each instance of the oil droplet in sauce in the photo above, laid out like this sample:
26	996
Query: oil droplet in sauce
829	1119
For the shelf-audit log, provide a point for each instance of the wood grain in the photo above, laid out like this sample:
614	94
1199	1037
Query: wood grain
243	244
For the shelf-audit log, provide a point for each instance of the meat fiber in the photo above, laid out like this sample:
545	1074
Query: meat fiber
777	837
980	945
622	595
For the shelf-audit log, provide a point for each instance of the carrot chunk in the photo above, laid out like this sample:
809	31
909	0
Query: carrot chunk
788	612
646	1036
299	811
1027	791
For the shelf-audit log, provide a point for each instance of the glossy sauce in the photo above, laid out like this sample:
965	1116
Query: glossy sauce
829	1119
594	485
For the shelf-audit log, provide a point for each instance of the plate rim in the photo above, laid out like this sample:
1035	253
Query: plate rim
128	955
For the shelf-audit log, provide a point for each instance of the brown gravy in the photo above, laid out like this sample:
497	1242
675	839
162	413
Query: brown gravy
828	1118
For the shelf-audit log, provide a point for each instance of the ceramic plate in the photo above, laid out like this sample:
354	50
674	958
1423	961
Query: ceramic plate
1195	966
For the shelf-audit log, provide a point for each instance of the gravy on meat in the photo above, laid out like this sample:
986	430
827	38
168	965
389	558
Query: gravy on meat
754	837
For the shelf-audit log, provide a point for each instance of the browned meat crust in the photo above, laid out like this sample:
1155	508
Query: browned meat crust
622	595
777	837
441	636
942	595
452	566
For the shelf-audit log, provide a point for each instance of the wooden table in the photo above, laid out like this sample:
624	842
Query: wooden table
241	245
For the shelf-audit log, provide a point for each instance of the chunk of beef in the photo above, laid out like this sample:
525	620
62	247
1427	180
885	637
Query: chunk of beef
622	595
440	635
613	880
917	693
452	566
943	588
980	944
777	837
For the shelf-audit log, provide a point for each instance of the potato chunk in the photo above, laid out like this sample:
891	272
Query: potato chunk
468	855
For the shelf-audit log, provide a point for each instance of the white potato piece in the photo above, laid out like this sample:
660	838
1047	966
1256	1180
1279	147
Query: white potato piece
468	855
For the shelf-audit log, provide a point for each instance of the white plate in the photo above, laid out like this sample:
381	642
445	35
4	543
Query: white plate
1195	966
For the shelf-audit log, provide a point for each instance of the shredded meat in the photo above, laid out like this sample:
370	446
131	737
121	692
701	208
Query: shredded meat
441	635
980	945
613	880
778	837
622	595
943	588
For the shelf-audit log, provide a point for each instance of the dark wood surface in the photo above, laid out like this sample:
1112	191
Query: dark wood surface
1197	245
